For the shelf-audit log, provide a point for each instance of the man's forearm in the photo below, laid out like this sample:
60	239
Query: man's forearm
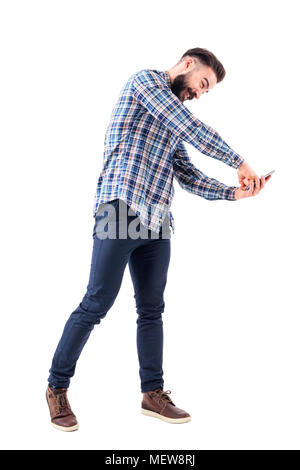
193	180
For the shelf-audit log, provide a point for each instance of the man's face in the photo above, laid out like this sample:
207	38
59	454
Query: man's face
192	83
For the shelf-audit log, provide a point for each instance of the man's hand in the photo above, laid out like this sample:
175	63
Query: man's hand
246	174
254	187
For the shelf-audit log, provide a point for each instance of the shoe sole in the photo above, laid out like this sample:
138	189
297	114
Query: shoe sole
164	418
64	428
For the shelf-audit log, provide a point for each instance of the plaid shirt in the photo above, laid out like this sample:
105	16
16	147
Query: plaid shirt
144	150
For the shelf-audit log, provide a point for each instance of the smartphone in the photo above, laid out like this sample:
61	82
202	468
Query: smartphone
268	174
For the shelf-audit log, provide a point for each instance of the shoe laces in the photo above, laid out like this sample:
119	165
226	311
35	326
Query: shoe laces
62	405
163	396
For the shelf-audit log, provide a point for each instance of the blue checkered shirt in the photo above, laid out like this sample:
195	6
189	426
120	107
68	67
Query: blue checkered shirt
144	150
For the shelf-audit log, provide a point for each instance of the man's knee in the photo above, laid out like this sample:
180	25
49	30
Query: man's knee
150	310
94	308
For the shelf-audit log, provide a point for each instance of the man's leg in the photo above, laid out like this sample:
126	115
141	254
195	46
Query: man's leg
148	266
109	260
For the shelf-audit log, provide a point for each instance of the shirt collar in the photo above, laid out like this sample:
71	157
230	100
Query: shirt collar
166	77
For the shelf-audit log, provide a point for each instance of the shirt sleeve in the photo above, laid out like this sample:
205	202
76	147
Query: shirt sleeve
167	108
196	182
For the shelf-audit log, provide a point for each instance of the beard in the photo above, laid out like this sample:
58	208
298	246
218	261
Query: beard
179	86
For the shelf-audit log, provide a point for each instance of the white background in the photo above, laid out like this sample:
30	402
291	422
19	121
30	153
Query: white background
231	319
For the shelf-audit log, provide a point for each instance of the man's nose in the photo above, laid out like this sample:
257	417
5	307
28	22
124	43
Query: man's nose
197	94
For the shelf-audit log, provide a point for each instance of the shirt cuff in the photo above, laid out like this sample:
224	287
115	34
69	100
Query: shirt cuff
237	160
228	193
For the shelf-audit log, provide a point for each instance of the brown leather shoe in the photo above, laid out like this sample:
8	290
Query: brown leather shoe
62	417
158	404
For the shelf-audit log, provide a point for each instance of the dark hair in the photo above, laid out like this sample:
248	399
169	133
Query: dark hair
206	57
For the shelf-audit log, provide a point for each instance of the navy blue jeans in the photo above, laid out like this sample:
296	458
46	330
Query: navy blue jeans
148	261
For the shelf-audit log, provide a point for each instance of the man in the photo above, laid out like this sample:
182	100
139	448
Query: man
144	150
